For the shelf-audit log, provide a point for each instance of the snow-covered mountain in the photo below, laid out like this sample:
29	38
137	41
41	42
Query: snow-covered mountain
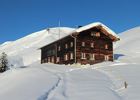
25	51
104	81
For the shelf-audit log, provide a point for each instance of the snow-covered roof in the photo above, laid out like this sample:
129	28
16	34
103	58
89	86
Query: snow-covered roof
95	24
87	27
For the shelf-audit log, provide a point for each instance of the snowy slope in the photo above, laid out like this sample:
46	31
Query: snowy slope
56	82
27	48
128	48
104	81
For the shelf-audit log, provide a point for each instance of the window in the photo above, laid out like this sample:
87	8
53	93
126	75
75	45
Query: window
52	60
66	57
58	59
83	44
71	44
71	55
66	46
92	33
97	34
83	55
49	60
106	46
106	58
59	48
92	45
92	57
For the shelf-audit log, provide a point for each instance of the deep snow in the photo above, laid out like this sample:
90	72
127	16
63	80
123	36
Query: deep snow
104	81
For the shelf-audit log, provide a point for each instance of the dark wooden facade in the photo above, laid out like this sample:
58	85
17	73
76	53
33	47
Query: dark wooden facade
87	47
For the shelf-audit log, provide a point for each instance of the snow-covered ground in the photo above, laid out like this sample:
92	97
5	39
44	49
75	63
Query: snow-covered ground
104	81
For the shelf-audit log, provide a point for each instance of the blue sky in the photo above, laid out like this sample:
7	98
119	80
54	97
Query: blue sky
19	18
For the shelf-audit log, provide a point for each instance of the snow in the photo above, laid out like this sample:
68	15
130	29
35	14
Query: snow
25	84
6	43
29	80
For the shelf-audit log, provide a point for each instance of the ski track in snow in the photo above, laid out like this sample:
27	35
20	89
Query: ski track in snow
119	89
60	82
46	95
51	91
49	94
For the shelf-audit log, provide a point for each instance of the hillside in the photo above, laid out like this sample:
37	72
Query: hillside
104	81
26	50
128	47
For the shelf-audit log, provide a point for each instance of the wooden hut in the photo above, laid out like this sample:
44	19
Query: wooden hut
88	44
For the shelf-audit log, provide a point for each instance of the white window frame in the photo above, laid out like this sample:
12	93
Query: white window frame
106	57
83	44
92	44
106	46
83	55
66	46
66	57
58	59
71	44
71	56
92	56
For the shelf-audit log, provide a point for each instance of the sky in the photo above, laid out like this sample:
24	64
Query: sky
19	18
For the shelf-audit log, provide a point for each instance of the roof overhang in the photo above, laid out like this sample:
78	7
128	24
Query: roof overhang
107	31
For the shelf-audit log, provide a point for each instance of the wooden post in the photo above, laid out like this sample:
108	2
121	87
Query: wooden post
125	84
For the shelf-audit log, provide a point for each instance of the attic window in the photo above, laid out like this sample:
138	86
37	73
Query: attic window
97	34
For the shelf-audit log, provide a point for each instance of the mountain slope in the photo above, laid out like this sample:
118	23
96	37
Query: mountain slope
27	50
128	47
